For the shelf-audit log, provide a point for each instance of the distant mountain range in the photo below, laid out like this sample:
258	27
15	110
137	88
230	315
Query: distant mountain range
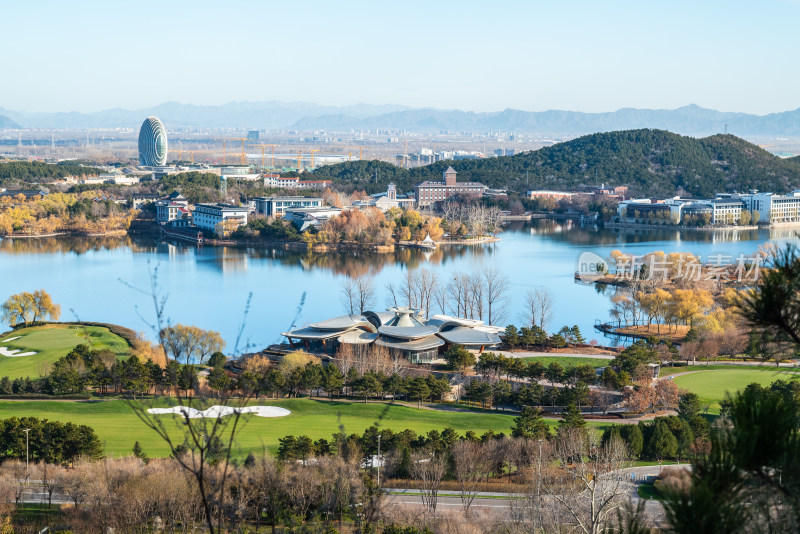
255	115
6	123
688	120
650	162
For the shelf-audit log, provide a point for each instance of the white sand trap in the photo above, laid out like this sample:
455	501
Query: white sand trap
222	411
15	353
10	339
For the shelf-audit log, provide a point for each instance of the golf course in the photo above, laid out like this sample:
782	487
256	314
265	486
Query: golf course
51	342
712	385
119	428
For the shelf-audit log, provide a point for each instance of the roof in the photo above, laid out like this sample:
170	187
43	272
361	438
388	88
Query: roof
343	322
450	169
358	337
462	335
429	183
407	332
427	343
311	333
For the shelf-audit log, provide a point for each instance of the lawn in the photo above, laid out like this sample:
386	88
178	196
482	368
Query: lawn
711	386
118	427
51	342
667	371
567	361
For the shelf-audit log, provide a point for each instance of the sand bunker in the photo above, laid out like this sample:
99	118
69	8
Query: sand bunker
222	411
10	339
15	353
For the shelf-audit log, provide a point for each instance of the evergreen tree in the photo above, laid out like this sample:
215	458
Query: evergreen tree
530	425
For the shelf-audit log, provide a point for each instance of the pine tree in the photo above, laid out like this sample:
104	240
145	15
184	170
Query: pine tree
139	453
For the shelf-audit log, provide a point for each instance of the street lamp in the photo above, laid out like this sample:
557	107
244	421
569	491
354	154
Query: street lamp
27	446
539	477
379	460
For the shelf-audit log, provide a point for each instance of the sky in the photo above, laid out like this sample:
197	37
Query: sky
485	55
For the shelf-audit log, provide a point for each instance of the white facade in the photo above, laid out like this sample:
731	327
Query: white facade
276	206
208	216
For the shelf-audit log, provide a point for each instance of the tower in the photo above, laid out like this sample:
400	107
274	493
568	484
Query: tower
391	192
449	176
152	143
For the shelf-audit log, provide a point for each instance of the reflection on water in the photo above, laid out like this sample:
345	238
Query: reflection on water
209	286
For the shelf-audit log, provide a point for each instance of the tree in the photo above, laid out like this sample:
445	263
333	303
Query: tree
458	358
663	443
418	388
358	294
773	304
538	308
139	453
190	343
429	468
496	284
753	458
588	486
472	467
217	360
29	308
530	425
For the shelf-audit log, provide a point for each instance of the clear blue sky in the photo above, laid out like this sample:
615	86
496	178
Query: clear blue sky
475	55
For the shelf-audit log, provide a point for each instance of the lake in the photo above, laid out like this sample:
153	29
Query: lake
111	280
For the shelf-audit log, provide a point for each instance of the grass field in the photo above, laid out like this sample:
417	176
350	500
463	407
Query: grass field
566	361
118	427
51	342
667	371
711	386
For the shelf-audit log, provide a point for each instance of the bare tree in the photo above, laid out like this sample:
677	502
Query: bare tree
392	291
427	284
472	468
51	478
497	285
358	294
538	308
429	468
588	486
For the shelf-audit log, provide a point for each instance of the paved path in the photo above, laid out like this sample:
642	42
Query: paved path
526	354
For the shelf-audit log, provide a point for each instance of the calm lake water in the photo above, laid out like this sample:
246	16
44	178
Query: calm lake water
110	280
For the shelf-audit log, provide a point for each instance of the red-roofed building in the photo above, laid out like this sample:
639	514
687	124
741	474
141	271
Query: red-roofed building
429	193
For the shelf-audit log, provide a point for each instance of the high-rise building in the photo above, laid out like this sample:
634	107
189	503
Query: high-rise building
152	143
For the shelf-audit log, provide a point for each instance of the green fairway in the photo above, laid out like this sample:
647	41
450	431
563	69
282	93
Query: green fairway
118	427
52	342
711	386
567	361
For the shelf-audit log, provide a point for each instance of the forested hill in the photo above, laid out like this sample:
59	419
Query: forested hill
650	162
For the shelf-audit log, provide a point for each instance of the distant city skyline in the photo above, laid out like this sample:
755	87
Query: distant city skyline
578	56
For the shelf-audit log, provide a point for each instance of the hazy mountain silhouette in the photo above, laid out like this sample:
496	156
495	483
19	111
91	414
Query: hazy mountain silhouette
688	120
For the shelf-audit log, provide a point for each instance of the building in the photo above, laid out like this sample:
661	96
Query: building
294	182
239	172
209	216
175	206
152	143
545	193
429	193
305	218
252	135
137	201
385	201
277	206
774	208
27	193
404	331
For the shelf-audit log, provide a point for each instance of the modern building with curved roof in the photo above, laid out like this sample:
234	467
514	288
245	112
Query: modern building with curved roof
152	143
400	329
